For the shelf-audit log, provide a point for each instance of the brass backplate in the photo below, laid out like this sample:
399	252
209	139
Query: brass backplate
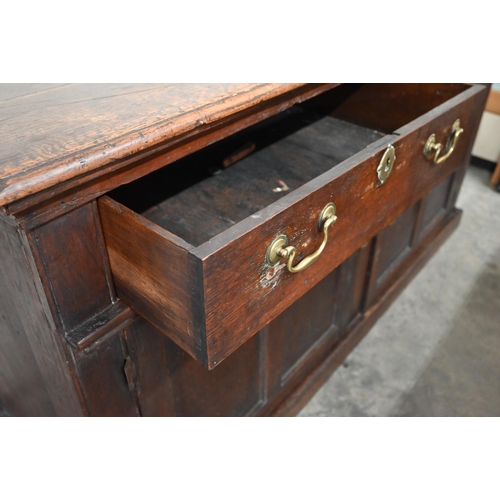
277	244
384	168
330	209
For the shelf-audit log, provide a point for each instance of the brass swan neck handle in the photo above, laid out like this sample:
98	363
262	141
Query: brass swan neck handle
432	146
278	250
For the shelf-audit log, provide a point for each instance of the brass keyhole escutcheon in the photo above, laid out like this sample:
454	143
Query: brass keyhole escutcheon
279	250
384	168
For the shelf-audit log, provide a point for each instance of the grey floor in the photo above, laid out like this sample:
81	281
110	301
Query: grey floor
436	351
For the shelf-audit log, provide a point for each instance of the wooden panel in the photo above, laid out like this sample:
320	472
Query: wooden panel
363	209
171	383
218	202
72	130
35	378
309	325
235	388
74	261
295	400
153	274
236	280
354	281
101	369
389	106
392	245
304	334
394	242
434	205
22	388
149	351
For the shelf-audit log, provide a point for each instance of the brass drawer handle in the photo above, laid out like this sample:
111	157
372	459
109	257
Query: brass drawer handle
278	250
431	146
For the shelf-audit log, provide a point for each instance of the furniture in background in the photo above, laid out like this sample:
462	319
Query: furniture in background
213	249
493	106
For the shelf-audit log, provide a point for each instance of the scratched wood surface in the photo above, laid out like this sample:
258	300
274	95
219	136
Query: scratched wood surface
56	132
246	295
219	201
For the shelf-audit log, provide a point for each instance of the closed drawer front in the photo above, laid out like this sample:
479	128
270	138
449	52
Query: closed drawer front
193	262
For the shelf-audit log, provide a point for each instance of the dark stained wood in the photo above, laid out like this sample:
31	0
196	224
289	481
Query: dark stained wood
86	127
391	247
301	335
220	201
355	272
157	262
386	107
71	251
48	204
22	387
363	209
434	205
171	383
101	369
308	386
149	351
35	378
69	346
112	319
232	264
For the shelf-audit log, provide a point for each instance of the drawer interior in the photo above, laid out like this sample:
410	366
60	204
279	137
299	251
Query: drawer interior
207	192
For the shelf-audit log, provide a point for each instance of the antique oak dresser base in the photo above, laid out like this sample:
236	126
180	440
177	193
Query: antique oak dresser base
136	276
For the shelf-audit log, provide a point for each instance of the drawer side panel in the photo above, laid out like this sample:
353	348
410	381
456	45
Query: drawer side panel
153	274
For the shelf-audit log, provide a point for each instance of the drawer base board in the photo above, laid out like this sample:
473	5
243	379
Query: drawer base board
310	385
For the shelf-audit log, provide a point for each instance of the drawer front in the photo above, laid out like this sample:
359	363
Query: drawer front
230	291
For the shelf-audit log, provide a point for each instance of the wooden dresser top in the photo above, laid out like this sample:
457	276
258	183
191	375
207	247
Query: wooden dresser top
52	133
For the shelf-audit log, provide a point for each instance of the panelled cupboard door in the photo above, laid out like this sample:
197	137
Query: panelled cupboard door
255	378
393	245
196	263
310	329
171	383
106	377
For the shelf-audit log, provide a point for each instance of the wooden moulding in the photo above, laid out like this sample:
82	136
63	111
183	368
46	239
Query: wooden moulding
101	127
212	298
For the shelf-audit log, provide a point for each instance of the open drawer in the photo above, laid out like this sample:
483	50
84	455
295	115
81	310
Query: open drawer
194	247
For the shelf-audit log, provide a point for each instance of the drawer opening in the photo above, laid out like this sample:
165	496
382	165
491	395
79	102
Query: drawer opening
277	156
187	244
386	107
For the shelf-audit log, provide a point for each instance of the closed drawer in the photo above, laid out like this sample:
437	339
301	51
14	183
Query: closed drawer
187	245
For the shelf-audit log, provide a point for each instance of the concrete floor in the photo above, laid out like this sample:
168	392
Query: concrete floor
436	351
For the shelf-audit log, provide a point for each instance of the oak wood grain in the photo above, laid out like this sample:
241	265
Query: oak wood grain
74	266
305	390
53	134
35	377
232	295
164	286
363	209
